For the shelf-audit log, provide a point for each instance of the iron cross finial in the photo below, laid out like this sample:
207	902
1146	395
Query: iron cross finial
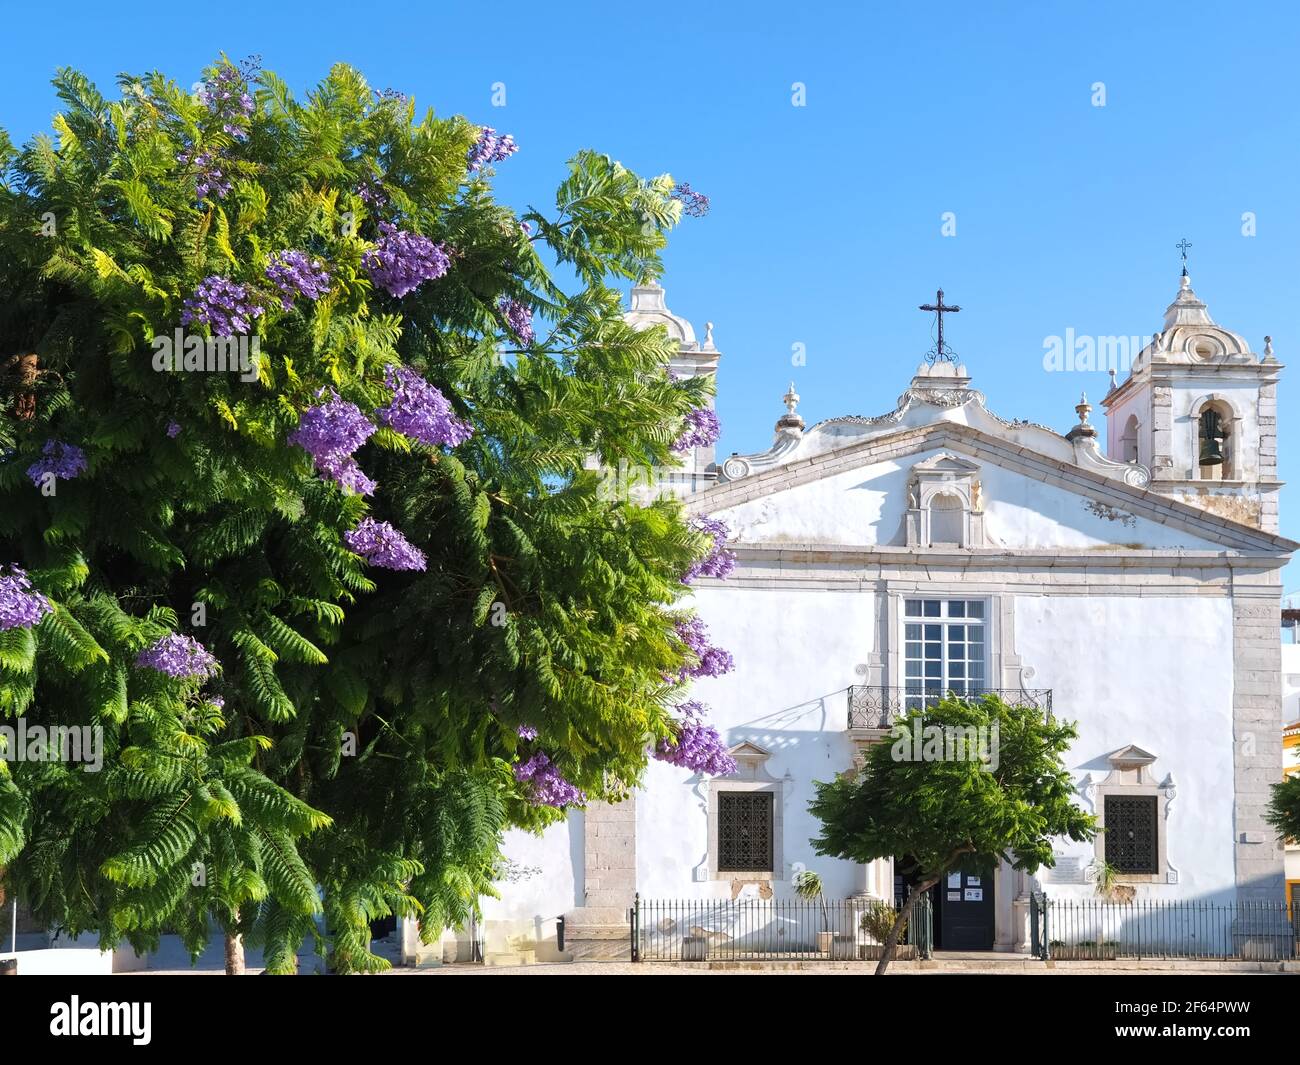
939	308
1182	246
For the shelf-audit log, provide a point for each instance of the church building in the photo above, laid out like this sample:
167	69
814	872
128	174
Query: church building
1124	576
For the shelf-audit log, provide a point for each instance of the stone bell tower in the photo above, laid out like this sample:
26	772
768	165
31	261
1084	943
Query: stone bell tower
692	358
1199	408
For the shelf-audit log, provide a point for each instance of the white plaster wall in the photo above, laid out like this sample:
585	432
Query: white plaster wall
1022	512
795	654
528	906
1139	405
867	506
1155	672
1290	683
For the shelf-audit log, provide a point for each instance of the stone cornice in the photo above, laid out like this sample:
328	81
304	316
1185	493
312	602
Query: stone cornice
1001	558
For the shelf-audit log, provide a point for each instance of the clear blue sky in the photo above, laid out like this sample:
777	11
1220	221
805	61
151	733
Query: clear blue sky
825	222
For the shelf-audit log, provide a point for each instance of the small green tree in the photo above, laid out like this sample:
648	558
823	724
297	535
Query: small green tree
1004	798
1284	808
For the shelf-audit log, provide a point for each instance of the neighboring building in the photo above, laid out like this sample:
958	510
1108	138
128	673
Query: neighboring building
1290	768
1127	578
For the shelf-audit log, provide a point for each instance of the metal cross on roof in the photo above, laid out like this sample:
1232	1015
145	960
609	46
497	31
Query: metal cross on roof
1182	246
939	308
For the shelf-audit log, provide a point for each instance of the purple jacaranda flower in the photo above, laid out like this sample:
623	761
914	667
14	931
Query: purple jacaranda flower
59	460
294	274
210	174
695	204
719	562
223	305
330	433
519	317
403	261
372	194
382	545
711	661
697	747
173	430
490	148
178	656
700	429
420	411
546	787
21	606
527	732
226	97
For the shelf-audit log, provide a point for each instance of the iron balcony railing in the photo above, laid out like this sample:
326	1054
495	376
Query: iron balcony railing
874	707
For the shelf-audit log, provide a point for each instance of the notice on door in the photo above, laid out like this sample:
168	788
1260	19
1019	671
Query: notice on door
974	894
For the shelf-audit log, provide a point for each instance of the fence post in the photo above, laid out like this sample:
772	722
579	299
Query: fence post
1035	947
925	927
1047	938
634	916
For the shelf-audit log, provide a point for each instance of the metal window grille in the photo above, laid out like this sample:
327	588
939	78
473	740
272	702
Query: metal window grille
1131	827
745	831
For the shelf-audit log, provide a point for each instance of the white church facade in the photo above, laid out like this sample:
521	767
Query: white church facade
1126	577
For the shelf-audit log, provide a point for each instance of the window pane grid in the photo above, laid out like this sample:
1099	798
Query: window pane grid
943	648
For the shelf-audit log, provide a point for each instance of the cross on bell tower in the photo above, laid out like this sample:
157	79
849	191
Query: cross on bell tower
939	308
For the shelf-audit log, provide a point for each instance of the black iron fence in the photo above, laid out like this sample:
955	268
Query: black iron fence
1103	930
768	930
871	706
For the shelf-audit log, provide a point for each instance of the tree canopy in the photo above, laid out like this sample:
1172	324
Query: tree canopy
299	513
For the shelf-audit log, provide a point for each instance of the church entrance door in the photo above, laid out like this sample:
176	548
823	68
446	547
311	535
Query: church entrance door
962	907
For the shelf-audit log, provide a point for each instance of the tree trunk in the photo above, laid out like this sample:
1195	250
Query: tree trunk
234	955
891	941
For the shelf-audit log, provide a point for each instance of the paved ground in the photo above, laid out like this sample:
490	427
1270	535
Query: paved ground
809	969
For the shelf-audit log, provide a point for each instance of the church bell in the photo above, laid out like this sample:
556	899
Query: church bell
1211	439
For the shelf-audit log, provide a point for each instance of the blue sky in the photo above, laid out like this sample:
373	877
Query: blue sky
825	228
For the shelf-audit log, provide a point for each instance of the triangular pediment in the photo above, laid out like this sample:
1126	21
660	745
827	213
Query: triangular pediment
1131	757
945	463
747	751
1102	509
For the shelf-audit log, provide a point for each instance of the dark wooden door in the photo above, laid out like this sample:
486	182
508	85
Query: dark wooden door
965	902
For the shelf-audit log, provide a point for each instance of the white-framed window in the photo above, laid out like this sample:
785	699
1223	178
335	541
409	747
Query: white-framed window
944	648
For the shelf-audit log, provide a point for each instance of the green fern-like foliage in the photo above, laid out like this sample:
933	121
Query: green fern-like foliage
352	758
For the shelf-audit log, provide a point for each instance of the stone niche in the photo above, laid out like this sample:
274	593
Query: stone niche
943	503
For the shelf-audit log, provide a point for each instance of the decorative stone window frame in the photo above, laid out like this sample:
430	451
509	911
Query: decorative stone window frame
1130	776
1232	415
751	775
944	474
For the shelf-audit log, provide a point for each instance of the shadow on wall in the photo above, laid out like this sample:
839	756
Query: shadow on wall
889	527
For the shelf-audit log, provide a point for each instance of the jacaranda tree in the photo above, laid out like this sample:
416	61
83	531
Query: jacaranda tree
300	512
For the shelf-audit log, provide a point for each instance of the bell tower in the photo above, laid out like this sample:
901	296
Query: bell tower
1199	408
692	358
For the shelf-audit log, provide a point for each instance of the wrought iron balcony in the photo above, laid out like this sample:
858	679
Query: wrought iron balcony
874	707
